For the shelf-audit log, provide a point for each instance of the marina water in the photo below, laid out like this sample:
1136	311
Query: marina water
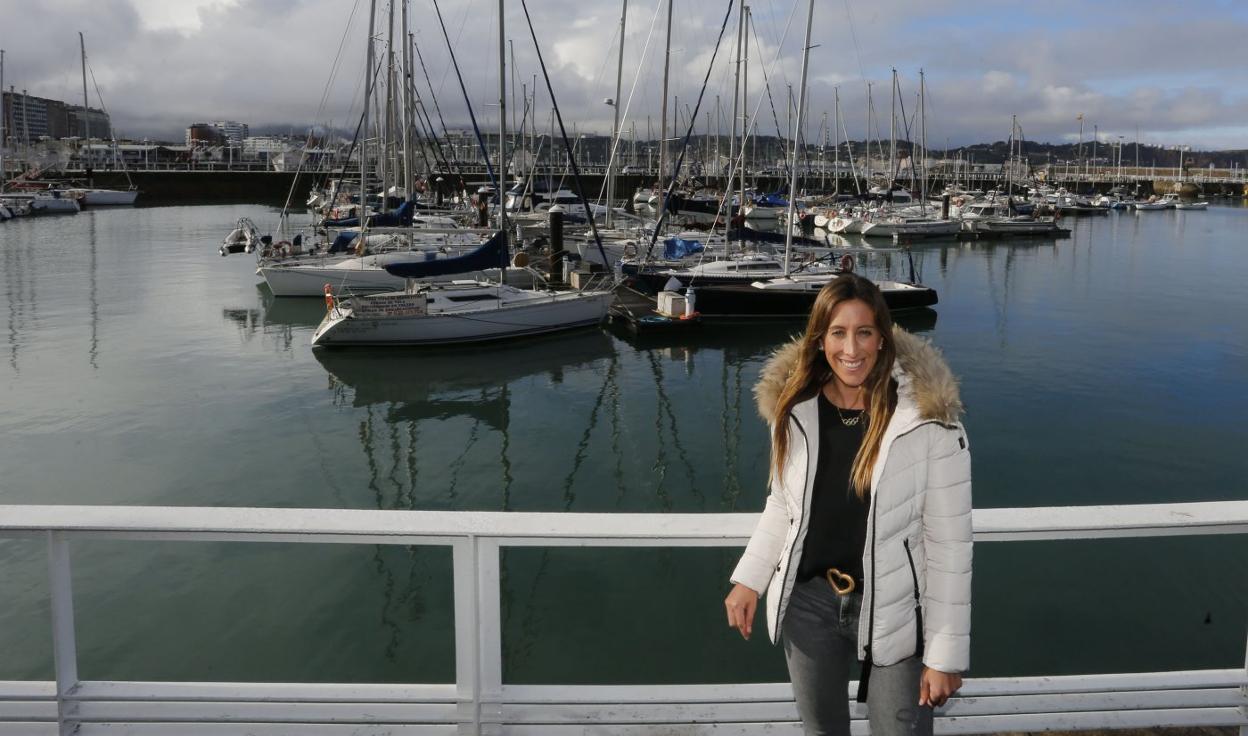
138	367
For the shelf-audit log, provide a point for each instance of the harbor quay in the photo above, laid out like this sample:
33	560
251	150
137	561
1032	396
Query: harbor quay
242	184
481	701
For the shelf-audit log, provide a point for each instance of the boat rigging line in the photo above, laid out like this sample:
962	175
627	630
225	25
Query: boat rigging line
476	129
563	132
684	148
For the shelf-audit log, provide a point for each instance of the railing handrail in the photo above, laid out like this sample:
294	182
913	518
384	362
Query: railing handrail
599	529
480	701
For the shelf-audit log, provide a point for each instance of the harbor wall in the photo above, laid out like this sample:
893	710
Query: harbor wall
272	187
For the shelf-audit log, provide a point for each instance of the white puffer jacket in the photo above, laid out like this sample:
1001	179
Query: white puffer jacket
918	525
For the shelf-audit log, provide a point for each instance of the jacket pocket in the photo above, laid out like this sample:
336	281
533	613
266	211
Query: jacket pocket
918	604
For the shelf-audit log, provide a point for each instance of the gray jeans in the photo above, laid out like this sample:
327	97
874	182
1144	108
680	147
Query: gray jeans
820	634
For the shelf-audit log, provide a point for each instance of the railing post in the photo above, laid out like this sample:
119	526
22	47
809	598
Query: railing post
489	635
478	635
467	677
64	645
1243	691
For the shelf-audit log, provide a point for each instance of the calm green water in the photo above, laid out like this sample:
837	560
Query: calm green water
138	367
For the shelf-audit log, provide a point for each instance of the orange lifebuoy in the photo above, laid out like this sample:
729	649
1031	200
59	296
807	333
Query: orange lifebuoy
847	263
329	297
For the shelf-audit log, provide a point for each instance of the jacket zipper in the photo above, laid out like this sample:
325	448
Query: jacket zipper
784	578
864	680
918	605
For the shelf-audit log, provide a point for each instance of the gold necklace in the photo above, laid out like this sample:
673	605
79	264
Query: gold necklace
852	421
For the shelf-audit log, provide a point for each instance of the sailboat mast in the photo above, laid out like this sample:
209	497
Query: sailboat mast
867	139
745	105
3	131
667	64
368	93
736	109
615	122
801	98
836	122
892	135
86	120
922	145
502	123
409	125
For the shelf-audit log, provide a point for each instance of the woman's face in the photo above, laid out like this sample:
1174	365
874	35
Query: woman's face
852	342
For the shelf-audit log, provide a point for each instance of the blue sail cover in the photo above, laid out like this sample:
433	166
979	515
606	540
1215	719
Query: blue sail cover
343	242
677	248
775	199
399	217
491	254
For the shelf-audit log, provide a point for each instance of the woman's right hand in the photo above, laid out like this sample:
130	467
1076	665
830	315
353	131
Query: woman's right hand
741	604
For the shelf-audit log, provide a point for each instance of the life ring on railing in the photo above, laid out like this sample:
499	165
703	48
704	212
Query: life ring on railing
847	263
282	248
329	298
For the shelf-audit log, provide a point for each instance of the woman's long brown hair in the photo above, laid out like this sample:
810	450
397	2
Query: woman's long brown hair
812	372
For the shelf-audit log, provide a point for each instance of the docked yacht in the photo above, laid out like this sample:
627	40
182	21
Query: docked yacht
905	227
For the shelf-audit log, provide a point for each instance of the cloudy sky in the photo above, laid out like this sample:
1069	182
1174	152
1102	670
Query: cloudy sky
1172	71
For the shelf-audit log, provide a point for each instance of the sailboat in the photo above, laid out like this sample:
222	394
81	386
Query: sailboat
91	196
465	311
461	311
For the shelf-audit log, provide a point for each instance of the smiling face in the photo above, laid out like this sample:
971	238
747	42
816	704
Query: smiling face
852	342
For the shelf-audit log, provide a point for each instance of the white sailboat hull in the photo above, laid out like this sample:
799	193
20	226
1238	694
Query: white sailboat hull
845	225
105	197
540	313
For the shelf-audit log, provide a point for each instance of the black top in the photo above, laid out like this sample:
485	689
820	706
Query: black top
837	532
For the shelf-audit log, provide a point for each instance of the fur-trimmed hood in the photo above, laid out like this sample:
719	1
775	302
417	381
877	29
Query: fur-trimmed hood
921	372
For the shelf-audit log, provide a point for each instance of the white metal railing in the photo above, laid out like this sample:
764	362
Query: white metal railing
479	702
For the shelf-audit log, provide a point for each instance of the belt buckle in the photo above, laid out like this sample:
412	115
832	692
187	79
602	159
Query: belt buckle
847	581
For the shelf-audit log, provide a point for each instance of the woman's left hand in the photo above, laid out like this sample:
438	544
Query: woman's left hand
935	687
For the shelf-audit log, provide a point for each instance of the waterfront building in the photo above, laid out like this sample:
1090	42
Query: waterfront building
232	132
28	118
202	134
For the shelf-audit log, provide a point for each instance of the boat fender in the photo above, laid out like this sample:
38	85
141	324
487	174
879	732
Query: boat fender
329	298
847	263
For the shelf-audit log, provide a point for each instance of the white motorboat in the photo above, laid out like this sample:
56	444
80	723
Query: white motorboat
1154	204
1012	225
44	202
244	238
1181	205
457	312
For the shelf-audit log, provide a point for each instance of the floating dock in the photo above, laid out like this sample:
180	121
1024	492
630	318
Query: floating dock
639	313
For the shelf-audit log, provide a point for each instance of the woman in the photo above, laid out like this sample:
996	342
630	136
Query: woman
864	547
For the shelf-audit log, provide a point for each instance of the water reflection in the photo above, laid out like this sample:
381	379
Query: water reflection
281	319
93	352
